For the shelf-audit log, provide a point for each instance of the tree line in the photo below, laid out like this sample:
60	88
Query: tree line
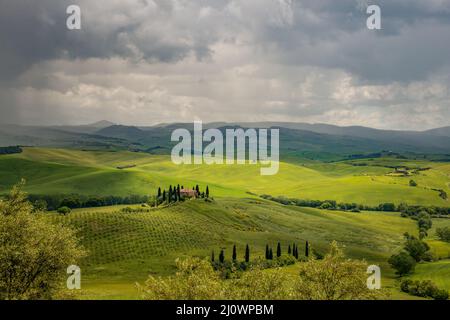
75	201
10	150
405	209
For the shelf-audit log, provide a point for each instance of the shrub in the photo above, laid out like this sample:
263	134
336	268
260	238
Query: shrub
64	210
412	183
443	233
424	289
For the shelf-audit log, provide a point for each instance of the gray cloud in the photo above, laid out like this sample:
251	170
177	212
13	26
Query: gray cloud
146	61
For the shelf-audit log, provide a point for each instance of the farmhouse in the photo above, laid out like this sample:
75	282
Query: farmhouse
188	193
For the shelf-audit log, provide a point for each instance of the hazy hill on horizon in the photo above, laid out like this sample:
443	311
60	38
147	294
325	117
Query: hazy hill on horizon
296	139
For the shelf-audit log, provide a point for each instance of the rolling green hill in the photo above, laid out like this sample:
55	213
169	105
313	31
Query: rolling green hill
63	171
126	247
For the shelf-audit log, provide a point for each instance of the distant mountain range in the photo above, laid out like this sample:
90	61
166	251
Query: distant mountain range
318	141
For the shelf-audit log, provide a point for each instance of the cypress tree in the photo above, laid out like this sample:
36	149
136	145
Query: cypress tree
307	249
159	192
170	194
179	193
278	250
164	195
289	249
207	191
222	256
270	254
296	252
293	249
212	256
247	254
234	253
267	252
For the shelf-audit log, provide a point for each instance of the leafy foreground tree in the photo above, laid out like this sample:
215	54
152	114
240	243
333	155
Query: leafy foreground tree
334	277
195	280
34	254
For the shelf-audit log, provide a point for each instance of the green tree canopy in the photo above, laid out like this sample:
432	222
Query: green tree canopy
34	254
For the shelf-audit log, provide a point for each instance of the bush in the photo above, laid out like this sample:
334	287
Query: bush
64	210
424	289
443	233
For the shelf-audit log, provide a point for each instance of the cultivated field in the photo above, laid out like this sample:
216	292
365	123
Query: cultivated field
124	248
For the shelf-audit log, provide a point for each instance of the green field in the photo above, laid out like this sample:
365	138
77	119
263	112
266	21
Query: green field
125	248
439	248
438	272
56	171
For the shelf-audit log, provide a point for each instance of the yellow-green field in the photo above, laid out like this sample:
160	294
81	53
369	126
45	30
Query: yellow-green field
56	171
125	248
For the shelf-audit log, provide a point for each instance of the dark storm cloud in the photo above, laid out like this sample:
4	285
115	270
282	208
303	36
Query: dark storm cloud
170	60
414	41
33	31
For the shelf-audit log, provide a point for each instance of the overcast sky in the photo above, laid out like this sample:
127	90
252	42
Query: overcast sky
149	61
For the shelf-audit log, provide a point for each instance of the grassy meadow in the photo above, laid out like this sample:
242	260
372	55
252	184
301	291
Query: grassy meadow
124	248
57	171
127	247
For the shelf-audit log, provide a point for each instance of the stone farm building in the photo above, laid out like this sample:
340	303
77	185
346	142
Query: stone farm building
188	193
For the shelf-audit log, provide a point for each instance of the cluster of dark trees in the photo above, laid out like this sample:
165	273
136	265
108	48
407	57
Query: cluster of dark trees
415	250
233	257
227	267
10	150
74	201
405	209
174	194
292	251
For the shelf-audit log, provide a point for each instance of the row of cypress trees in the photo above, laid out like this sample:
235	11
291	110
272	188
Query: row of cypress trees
234	255
269	252
291	251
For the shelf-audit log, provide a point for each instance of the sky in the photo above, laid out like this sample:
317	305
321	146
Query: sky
142	62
